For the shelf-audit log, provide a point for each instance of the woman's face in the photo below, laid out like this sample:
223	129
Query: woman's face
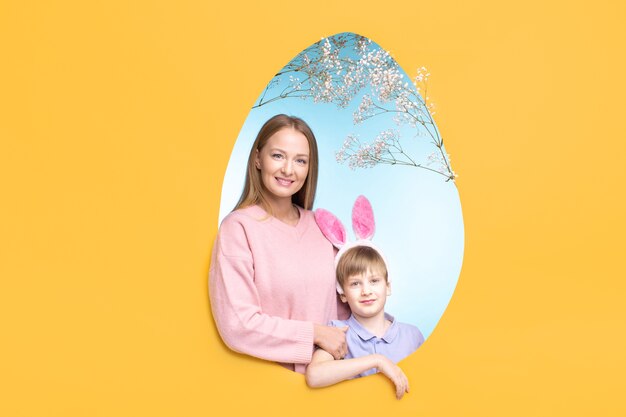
283	163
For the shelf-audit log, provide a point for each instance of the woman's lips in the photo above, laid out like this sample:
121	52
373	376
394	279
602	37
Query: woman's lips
284	182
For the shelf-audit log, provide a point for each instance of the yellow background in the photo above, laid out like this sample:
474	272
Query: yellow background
116	123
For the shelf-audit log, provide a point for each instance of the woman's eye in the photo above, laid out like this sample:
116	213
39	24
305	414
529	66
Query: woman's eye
301	161
277	156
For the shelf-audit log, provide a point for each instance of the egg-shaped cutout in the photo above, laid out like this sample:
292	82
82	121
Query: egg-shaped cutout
376	137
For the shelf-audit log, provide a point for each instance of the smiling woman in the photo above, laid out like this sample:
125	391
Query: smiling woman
272	280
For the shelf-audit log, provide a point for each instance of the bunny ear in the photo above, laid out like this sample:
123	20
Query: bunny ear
331	227
363	218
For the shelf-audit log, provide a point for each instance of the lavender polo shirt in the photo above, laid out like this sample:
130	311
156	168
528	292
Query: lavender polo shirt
398	342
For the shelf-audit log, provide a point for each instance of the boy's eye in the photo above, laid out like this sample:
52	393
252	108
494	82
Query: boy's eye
375	280
354	284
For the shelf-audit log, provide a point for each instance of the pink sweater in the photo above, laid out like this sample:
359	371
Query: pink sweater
269	282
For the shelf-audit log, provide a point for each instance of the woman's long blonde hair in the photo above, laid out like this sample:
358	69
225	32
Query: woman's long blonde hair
253	189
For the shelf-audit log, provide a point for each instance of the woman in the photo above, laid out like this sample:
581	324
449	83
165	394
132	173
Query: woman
272	278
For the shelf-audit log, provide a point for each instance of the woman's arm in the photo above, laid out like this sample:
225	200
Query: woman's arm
239	318
331	339
235	302
324	370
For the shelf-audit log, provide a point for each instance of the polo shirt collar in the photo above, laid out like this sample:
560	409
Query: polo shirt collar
365	335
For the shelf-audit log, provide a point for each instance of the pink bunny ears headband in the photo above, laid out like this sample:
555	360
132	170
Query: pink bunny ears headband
362	224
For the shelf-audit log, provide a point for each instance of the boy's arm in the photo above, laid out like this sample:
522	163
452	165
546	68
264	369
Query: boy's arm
324	370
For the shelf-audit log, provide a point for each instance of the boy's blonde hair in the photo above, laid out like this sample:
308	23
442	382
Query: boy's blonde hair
359	260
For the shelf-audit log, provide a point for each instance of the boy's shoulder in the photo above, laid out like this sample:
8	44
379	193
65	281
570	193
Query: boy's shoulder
407	331
404	328
339	323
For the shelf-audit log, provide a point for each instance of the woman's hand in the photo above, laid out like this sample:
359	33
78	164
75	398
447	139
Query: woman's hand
395	374
331	339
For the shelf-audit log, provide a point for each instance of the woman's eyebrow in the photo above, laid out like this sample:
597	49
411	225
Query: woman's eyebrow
283	151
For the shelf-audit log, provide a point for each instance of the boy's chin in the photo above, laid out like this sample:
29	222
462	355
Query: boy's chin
367	314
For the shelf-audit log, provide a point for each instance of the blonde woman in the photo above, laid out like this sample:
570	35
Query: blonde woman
272	277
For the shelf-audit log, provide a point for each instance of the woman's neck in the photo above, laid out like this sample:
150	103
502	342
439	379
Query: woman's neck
376	325
284	210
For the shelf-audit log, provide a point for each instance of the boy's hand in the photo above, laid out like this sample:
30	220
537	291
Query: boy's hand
331	339
395	374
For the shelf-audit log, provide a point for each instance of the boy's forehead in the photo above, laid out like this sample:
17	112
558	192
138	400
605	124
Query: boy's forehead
370	272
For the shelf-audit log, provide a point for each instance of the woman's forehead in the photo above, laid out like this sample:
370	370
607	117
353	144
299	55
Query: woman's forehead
289	140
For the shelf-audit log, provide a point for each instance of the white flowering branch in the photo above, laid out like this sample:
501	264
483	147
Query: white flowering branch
336	70
323	72
393	95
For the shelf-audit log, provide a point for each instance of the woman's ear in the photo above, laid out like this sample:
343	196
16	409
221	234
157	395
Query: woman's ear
257	160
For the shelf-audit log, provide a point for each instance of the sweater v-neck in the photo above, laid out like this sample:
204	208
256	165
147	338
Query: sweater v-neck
298	229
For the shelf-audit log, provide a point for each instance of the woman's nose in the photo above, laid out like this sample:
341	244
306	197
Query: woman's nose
287	168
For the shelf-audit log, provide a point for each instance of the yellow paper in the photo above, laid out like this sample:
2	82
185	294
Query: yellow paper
116	124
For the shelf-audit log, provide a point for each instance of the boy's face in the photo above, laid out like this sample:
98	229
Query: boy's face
366	294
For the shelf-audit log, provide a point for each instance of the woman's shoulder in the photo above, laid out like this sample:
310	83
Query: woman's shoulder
233	236
245	215
238	224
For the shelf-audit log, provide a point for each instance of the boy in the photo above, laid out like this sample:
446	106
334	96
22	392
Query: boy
375	340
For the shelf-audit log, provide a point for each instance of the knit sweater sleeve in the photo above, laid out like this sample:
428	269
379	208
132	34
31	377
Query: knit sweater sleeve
236	306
